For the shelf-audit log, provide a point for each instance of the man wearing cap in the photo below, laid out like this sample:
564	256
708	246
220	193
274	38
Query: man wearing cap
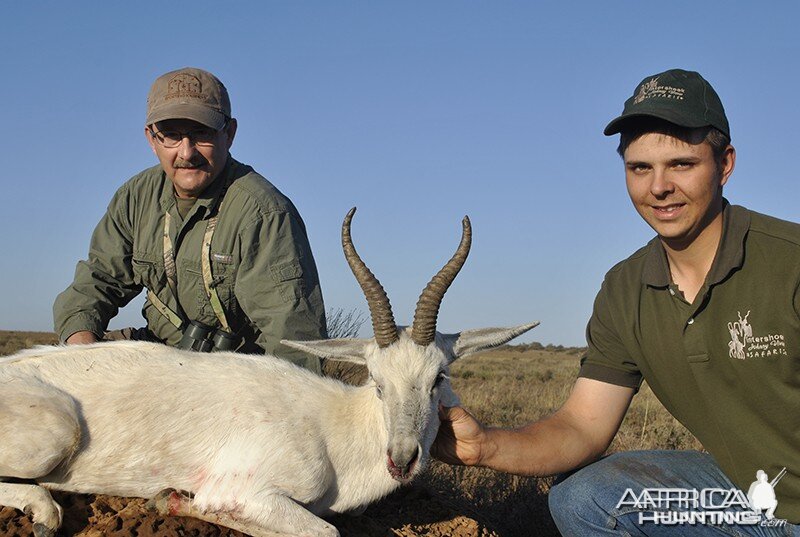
222	253
708	313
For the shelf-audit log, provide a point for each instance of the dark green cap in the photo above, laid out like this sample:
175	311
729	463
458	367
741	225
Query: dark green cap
683	98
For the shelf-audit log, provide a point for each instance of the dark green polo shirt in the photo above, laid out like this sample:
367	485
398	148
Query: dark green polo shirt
726	366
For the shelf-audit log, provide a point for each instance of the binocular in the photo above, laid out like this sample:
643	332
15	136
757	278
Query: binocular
200	337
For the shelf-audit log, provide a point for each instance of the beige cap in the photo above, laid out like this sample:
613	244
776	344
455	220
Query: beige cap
189	93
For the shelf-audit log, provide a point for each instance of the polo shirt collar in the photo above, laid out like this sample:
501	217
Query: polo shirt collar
207	199
729	256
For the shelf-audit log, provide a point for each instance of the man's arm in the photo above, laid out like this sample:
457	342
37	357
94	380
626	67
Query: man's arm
81	338
277	285
575	435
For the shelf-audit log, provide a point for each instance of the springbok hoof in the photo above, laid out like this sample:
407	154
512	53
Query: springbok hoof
160	502
168	502
40	530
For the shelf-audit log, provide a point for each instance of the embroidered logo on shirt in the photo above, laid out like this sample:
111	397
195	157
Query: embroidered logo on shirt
744	344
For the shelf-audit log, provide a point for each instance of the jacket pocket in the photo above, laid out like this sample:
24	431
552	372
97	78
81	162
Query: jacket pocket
288	279
148	272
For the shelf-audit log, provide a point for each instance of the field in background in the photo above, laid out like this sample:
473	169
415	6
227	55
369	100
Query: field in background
509	386
11	342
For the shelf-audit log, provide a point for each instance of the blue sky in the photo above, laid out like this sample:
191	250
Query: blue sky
416	112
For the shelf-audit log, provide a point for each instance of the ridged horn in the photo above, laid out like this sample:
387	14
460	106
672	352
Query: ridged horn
424	328
379	308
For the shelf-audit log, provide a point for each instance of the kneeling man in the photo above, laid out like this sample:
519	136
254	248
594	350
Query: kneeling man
708	313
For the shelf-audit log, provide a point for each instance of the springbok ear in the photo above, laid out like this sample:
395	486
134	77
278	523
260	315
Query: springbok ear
479	339
345	349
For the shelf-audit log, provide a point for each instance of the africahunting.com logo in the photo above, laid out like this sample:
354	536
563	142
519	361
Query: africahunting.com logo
673	506
744	344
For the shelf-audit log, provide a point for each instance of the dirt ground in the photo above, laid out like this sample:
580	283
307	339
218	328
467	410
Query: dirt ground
412	511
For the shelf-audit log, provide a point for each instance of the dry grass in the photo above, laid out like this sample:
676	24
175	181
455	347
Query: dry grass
512	386
507	387
11	342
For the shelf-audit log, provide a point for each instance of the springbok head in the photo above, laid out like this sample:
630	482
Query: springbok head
408	366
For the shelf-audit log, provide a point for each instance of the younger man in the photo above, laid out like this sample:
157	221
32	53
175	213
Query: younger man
708	312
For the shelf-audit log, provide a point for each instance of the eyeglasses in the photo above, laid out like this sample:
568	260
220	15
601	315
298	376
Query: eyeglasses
203	137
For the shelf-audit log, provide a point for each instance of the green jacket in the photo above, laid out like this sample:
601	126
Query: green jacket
262	265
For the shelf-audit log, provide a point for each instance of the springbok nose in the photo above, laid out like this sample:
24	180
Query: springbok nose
401	461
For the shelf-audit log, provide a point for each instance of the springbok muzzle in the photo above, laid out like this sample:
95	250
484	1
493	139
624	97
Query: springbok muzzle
402	461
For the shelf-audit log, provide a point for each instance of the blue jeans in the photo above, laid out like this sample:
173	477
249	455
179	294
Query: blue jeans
584	503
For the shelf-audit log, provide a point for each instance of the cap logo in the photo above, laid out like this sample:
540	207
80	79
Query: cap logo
651	89
184	85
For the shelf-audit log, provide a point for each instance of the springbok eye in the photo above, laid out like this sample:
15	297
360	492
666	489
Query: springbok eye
439	378
378	387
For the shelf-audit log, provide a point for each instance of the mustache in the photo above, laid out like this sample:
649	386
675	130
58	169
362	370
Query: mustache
182	163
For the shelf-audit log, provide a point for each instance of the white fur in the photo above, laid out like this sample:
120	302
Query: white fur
254	438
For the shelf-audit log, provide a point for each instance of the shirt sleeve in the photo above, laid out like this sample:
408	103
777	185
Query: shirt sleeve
104	281
607	359
277	285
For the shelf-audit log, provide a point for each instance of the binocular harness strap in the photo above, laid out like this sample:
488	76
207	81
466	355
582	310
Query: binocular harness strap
165	310
208	277
172	277
169	257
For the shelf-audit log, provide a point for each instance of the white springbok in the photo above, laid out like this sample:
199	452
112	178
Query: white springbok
253	443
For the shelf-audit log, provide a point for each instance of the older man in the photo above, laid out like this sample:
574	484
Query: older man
223	254
708	313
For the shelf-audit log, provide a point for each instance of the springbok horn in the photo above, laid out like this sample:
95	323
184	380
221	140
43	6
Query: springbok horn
379	308
424	328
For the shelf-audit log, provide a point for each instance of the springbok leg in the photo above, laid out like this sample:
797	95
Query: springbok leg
272	516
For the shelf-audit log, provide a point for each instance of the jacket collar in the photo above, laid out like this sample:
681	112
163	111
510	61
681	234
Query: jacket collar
729	256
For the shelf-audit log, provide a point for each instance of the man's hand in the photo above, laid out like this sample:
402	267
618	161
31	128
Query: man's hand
461	438
81	338
575	435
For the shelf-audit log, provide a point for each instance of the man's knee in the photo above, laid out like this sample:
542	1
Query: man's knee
581	498
587	500
594	491
568	495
